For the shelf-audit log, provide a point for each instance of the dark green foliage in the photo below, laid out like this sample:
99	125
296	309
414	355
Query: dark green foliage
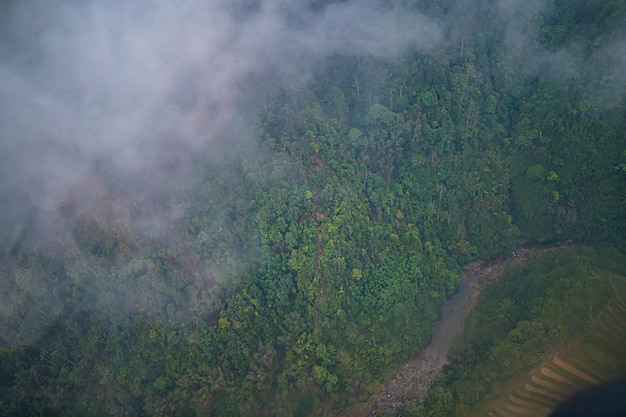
299	271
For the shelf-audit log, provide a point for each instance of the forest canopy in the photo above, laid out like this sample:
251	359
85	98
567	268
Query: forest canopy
283	269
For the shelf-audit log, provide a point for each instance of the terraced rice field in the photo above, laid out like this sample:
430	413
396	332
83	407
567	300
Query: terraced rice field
594	360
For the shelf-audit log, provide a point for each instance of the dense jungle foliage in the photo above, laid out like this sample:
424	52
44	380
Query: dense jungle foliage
306	266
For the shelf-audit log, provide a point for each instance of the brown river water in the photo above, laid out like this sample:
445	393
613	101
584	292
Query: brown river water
412	382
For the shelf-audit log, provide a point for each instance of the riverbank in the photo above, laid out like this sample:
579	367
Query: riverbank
412	382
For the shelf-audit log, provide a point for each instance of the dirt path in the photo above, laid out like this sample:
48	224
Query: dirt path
412	382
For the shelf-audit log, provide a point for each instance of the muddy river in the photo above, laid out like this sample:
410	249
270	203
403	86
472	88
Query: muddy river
412	382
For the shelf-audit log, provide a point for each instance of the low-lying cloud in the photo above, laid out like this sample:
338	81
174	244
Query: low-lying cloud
135	88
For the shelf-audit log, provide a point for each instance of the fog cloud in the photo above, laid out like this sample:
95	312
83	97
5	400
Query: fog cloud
136	87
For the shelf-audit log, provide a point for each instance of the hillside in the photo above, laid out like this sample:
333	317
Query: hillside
557	329
286	271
